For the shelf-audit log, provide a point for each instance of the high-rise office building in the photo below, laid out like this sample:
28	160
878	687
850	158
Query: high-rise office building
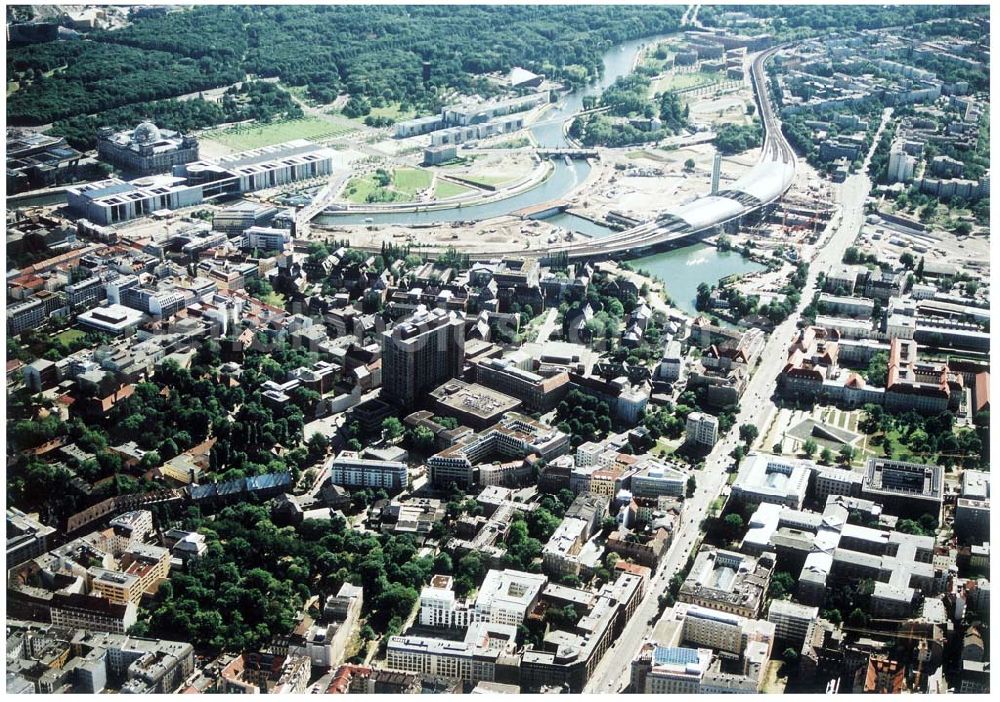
421	352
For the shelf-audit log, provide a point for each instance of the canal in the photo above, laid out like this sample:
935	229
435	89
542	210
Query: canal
579	224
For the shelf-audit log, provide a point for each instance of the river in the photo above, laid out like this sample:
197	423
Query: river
681	270
618	62
565	177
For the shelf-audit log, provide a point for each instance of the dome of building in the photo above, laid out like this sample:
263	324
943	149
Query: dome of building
145	133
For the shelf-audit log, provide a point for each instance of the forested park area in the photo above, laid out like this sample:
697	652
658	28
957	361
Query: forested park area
374	52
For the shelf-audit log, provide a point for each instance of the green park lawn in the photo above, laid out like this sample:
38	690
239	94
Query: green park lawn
410	181
645	154
445	188
358	189
70	335
393	111
406	183
682	81
487	179
253	136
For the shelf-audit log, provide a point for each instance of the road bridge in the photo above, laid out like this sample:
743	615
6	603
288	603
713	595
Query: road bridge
564	118
320	202
571	152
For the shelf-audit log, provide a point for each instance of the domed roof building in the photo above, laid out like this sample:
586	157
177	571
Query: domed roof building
146	133
145	150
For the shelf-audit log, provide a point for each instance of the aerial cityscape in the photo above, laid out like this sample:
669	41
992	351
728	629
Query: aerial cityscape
486	349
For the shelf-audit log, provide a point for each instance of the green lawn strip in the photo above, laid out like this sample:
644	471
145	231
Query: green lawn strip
487	179
445	188
683	81
393	111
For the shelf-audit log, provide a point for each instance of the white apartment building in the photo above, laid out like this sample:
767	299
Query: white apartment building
589	453
508	596
851	306
767	478
658	479
77	611
439	607
472	660
702	429
671	363
266	238
720	631
560	551
901	165
836	481
350	470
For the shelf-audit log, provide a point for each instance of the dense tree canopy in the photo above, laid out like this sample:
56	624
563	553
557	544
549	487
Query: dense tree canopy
371	52
734	138
253	100
255	577
817	18
79	78
583	417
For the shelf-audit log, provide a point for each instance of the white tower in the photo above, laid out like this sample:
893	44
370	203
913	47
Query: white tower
716	171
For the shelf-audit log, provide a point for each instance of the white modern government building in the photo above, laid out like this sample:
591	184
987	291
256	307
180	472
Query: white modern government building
113	200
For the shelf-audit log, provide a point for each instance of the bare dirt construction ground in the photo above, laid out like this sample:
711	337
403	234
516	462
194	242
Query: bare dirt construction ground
500	234
765	284
412	148
970	254
654	180
727	108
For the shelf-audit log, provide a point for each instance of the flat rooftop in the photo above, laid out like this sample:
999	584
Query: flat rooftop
477	400
903	478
